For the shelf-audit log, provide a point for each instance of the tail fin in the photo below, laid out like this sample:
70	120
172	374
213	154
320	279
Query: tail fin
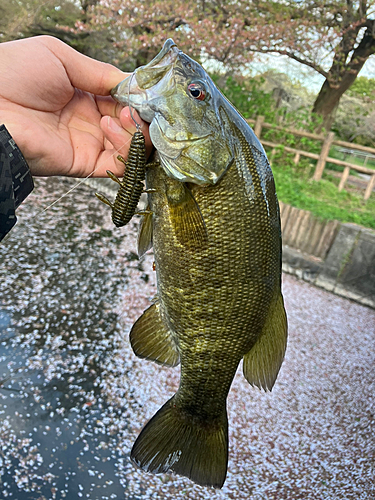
174	441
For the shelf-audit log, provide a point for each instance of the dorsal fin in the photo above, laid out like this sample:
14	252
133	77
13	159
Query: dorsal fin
262	363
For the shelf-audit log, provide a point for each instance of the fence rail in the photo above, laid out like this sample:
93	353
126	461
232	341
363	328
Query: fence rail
323	158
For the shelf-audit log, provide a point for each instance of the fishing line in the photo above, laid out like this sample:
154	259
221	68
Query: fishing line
130	107
85	178
138	126
69	191
21	225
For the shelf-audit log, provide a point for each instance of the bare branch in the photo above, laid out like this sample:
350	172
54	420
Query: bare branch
295	57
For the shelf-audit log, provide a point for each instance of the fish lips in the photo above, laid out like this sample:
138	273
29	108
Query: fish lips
128	93
138	88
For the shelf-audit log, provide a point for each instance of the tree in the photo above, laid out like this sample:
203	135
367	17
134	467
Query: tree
59	18
23	18
334	38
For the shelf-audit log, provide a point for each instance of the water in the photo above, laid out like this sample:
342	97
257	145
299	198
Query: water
57	331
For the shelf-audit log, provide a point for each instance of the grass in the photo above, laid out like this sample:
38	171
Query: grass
295	187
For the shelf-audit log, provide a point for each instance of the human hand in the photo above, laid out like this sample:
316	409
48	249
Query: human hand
55	103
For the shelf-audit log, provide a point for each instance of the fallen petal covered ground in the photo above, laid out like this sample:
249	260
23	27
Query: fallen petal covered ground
73	397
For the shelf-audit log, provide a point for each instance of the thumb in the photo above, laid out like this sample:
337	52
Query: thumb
120	131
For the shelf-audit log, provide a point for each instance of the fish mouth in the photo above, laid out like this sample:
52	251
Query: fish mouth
132	91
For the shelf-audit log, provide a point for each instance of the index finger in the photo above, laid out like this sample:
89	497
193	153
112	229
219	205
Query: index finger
84	73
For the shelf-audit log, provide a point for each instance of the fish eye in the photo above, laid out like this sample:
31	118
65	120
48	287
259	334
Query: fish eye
197	90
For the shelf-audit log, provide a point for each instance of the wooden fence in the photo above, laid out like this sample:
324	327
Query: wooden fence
322	158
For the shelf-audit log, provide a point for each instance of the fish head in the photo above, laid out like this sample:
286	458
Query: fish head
182	104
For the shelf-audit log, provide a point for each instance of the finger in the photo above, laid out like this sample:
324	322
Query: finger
124	117
117	142
84	73
118	130
118	134
108	106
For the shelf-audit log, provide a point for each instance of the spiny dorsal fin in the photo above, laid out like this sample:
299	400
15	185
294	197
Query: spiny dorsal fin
150	338
262	363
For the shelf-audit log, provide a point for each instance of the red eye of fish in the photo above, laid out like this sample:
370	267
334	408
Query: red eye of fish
197	91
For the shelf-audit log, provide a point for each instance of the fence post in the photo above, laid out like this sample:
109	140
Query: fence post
258	126
297	158
272	155
344	178
370	185
323	156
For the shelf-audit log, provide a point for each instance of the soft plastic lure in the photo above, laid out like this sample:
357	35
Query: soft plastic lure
131	186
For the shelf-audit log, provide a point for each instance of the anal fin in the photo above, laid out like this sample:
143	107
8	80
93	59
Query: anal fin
150	338
262	363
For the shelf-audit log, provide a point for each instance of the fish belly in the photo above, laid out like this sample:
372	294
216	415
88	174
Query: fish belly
215	295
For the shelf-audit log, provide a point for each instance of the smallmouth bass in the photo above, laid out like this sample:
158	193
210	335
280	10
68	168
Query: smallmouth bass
214	226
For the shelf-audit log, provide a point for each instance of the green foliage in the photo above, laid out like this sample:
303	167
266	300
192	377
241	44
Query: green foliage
363	87
251	101
247	96
294	184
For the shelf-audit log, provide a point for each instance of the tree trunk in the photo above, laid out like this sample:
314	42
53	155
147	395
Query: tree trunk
340	77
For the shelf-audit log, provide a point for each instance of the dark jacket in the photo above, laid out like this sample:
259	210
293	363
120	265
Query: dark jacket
15	181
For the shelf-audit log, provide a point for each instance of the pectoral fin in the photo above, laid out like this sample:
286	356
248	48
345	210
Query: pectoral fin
150	338
145	233
187	220
262	363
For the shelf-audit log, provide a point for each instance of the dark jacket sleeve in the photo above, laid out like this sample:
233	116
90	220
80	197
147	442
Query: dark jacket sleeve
15	181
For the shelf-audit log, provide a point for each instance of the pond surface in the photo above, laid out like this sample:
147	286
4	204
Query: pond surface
73	397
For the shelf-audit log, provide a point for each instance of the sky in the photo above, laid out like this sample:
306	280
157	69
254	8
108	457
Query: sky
307	76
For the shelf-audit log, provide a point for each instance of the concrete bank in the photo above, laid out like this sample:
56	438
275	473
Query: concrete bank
337	257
